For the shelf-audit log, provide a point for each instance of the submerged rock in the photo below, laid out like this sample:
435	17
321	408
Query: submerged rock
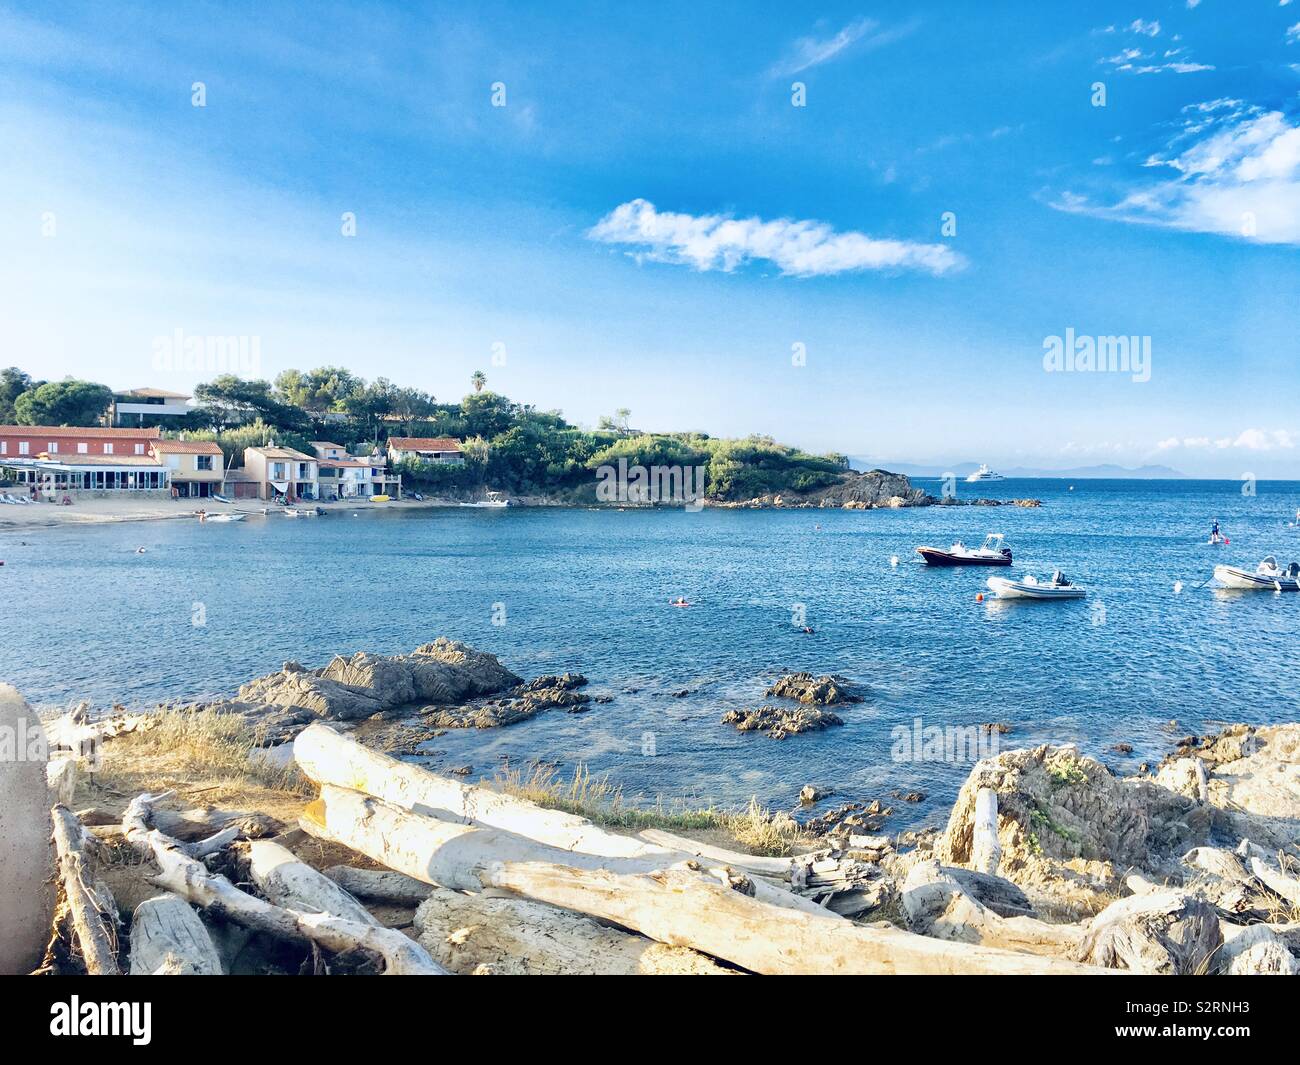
817	691
780	722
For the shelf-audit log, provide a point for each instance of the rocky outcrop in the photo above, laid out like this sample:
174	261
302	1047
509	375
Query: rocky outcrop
1069	829
853	491
815	691
780	722
358	686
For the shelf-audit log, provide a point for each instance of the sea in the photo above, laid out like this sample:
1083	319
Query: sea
1153	653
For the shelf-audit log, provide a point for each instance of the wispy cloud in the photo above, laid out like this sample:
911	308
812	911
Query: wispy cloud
1238	174
1246	440
863	33
798	248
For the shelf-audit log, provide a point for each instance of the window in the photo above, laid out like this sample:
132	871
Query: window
82	448
139	449
23	447
52	447
203	462
4	447
108	449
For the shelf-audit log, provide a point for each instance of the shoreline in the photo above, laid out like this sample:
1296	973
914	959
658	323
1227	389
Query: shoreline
15	518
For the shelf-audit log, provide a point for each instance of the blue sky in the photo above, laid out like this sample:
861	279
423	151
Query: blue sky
649	222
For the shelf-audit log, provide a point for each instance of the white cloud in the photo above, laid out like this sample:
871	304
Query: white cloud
1147	29
1193	4
1246	440
799	248
1238	174
808	52
1293	33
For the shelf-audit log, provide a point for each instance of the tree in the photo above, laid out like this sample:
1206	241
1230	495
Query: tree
227	401
487	414
478	380
13	383
67	402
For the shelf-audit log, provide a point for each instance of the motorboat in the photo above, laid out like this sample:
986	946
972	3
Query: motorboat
984	474
302	512
224	517
1268	576
494	499
1058	586
990	553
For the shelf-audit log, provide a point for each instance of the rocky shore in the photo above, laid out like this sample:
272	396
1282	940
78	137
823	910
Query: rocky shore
1048	861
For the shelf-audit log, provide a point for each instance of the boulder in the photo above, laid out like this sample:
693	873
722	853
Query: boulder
816	691
1057	804
26	855
780	722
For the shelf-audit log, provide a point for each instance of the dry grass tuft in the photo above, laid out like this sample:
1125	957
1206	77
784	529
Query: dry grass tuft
185	747
755	828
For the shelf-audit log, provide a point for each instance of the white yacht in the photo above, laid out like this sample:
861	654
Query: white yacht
983	474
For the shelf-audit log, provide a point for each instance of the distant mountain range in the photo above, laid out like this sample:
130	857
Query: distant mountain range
1078	473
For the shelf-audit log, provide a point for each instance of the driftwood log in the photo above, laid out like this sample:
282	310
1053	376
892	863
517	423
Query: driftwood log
90	922
986	851
331	759
500	934
168	939
383	885
710	910
288	882
189	878
938	905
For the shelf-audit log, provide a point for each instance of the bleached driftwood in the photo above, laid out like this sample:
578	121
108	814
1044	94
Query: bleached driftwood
986	851
381	884
84	906
329	758
1256	950
168	939
295	885
1166	932
502	934
1285	887
756	865
711	910
937	905
61	773
189	878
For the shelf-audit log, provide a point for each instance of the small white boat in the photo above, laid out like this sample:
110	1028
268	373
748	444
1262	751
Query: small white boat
1268	576
224	517
1030	587
983	474
301	512
494	499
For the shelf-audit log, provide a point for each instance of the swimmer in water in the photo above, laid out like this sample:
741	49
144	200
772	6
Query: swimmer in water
680	601
140	550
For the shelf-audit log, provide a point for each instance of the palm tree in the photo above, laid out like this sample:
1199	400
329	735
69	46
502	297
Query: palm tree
478	380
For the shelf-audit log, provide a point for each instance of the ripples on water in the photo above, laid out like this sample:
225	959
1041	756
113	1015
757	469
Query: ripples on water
84	617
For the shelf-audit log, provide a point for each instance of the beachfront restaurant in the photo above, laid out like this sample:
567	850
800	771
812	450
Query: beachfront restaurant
50	478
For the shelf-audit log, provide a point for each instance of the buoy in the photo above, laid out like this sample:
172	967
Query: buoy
893	560
1178	587
979	598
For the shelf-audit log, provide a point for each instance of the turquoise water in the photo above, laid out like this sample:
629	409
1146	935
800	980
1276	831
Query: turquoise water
82	616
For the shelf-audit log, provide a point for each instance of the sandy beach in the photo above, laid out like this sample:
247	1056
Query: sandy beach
105	511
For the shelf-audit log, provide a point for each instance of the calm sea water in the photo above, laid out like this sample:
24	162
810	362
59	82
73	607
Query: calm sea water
82	616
